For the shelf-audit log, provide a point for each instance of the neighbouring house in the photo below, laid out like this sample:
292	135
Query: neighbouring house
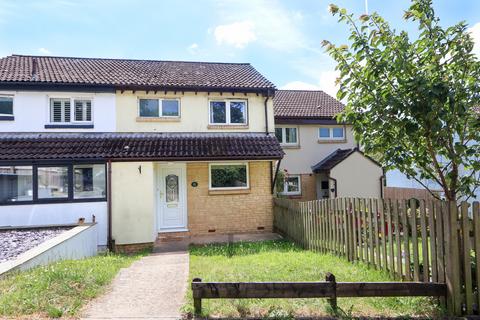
148	147
322	159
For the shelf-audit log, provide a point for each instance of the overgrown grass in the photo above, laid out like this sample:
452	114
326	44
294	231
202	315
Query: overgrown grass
61	288
284	261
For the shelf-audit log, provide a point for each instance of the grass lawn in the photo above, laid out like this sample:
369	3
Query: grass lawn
284	261
59	289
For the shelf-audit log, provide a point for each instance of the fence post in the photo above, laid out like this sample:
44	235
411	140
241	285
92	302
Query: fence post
329	277
452	258
197	301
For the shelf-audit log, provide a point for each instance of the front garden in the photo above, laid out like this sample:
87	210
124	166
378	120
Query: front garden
282	260
59	289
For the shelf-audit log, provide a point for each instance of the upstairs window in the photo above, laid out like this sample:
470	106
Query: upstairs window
61	110
83	110
156	108
228	112
287	136
331	133
6	106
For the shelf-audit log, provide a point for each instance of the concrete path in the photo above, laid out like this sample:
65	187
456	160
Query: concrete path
153	287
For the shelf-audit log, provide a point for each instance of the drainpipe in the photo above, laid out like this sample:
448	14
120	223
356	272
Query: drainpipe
276	174
383	178
110	243
266	112
334	183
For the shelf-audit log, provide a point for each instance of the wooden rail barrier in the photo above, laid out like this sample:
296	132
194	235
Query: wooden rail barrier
328	289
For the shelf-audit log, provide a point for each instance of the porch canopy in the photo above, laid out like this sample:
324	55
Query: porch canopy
138	146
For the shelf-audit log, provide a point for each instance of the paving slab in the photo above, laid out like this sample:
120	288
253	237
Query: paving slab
153	287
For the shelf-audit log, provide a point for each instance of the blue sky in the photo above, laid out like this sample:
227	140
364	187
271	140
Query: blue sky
281	38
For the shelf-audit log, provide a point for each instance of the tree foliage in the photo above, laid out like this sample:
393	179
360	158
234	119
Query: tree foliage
413	103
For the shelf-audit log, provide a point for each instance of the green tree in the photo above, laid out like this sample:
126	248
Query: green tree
413	103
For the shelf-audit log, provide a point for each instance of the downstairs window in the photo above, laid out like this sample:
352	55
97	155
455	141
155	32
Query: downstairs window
229	176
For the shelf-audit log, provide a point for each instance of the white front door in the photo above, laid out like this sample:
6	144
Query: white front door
171	186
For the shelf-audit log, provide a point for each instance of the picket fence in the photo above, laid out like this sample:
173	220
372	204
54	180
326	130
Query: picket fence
428	241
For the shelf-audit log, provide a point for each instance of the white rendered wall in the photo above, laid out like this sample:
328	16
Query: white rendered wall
56	213
31	110
77	243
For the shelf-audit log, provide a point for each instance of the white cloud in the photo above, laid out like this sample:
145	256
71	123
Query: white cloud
193	48
475	33
326	83
267	21
300	85
237	34
44	51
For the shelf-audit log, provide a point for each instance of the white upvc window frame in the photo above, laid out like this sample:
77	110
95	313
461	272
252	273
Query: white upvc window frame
246	164
11	96
285	191
72	109
160	108
284	135
331	137
227	112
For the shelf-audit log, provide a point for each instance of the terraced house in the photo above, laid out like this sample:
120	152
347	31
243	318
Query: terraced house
147	147
322	158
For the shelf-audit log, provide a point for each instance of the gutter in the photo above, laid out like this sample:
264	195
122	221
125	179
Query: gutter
110	243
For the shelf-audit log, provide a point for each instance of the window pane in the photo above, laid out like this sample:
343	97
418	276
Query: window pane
171	188
229	176
218	112
324	132
337	132
291	135
6	106
52	182
149	108
16	183
279	134
89	181
59	110
170	108
237	112
83	110
293	184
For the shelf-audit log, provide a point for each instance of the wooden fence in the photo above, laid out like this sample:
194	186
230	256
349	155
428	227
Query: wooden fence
329	289
427	241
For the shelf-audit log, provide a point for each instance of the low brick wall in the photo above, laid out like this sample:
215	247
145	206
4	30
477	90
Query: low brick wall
133	248
238	211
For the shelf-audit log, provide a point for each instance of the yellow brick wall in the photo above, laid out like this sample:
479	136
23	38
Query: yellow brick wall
227	212
309	187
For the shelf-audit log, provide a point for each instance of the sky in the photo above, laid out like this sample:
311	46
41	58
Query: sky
280	38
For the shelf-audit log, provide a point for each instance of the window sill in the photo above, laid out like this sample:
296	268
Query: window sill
228	192
51	201
290	146
7	118
159	119
332	141
69	126
227	126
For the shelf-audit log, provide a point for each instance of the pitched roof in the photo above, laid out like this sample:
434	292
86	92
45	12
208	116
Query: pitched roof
139	146
334	158
305	104
132	74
